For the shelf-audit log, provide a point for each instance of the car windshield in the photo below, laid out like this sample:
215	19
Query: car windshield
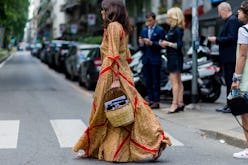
84	53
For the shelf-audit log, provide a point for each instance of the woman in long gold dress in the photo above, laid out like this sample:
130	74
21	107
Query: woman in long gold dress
144	138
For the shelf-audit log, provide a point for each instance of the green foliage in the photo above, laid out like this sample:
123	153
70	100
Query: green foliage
3	53
162	10
91	39
13	17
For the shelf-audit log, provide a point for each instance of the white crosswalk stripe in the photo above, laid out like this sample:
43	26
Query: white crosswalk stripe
174	141
9	133
68	131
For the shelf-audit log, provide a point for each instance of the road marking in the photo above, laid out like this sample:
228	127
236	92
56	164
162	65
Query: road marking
68	131
8	58
9	133
174	141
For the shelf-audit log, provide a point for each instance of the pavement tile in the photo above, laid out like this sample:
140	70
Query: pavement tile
217	125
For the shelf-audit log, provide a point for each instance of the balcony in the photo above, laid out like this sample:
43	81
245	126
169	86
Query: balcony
68	6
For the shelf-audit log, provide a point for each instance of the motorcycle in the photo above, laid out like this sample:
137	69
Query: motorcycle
209	82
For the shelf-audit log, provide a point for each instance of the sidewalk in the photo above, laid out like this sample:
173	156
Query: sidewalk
217	125
3	57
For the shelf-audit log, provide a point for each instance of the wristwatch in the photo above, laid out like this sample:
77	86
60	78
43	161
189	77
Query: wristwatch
236	77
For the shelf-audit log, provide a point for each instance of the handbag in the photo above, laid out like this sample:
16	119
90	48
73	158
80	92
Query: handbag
118	109
237	101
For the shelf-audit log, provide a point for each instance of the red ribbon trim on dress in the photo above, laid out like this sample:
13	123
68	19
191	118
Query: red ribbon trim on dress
124	77
115	58
143	147
116	73
146	103
135	105
163	136
120	147
87	132
122	34
94	107
129	60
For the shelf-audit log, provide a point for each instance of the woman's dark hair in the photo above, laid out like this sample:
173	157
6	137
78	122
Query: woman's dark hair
116	11
244	7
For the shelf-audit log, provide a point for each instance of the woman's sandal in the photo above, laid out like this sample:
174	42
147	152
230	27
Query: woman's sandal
158	154
174	110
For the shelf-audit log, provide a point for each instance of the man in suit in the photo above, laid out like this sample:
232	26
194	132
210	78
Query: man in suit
227	41
151	59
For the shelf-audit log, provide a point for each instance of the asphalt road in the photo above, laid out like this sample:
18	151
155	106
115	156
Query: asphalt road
42	115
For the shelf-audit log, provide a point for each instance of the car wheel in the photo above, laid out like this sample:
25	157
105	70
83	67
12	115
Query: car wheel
88	85
80	81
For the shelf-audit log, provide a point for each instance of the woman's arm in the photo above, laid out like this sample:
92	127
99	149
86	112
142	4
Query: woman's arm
243	48
114	33
240	64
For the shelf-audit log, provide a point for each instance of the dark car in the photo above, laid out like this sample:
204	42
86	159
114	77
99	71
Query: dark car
35	51
44	51
51	54
77	53
62	51
90	67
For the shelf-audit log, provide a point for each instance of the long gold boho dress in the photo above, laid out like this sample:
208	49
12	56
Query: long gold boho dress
137	141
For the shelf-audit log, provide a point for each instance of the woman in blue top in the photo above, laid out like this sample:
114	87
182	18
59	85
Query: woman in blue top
173	43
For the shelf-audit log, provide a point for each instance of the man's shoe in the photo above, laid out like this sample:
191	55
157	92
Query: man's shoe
155	106
222	109
228	110
150	103
242	154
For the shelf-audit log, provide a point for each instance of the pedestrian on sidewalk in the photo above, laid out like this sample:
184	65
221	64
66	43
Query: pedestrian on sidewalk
173	43
227	41
144	138
240	77
151	59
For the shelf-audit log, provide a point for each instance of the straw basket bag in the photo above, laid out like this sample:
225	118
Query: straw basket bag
118	109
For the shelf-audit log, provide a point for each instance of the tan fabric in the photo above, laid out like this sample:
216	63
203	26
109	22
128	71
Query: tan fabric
123	144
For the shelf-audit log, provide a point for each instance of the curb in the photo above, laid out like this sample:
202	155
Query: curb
234	141
4	57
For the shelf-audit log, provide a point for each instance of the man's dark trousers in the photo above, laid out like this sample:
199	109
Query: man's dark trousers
152	80
229	69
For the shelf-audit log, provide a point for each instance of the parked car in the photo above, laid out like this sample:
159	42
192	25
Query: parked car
90	67
77	54
62	51
35	51
44	51
54	48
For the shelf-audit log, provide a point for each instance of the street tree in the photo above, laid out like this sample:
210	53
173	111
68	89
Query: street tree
13	17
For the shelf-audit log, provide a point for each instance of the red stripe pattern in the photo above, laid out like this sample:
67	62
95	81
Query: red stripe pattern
119	148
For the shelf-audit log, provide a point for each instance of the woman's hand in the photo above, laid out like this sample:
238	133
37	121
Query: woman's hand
163	44
115	84
147	41
235	85
141	41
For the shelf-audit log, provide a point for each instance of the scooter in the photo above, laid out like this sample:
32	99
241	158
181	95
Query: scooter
209	83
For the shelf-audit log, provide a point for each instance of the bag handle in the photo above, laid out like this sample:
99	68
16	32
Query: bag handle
241	124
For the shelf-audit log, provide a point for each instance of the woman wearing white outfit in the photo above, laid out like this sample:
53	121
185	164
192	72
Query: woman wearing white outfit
240	77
